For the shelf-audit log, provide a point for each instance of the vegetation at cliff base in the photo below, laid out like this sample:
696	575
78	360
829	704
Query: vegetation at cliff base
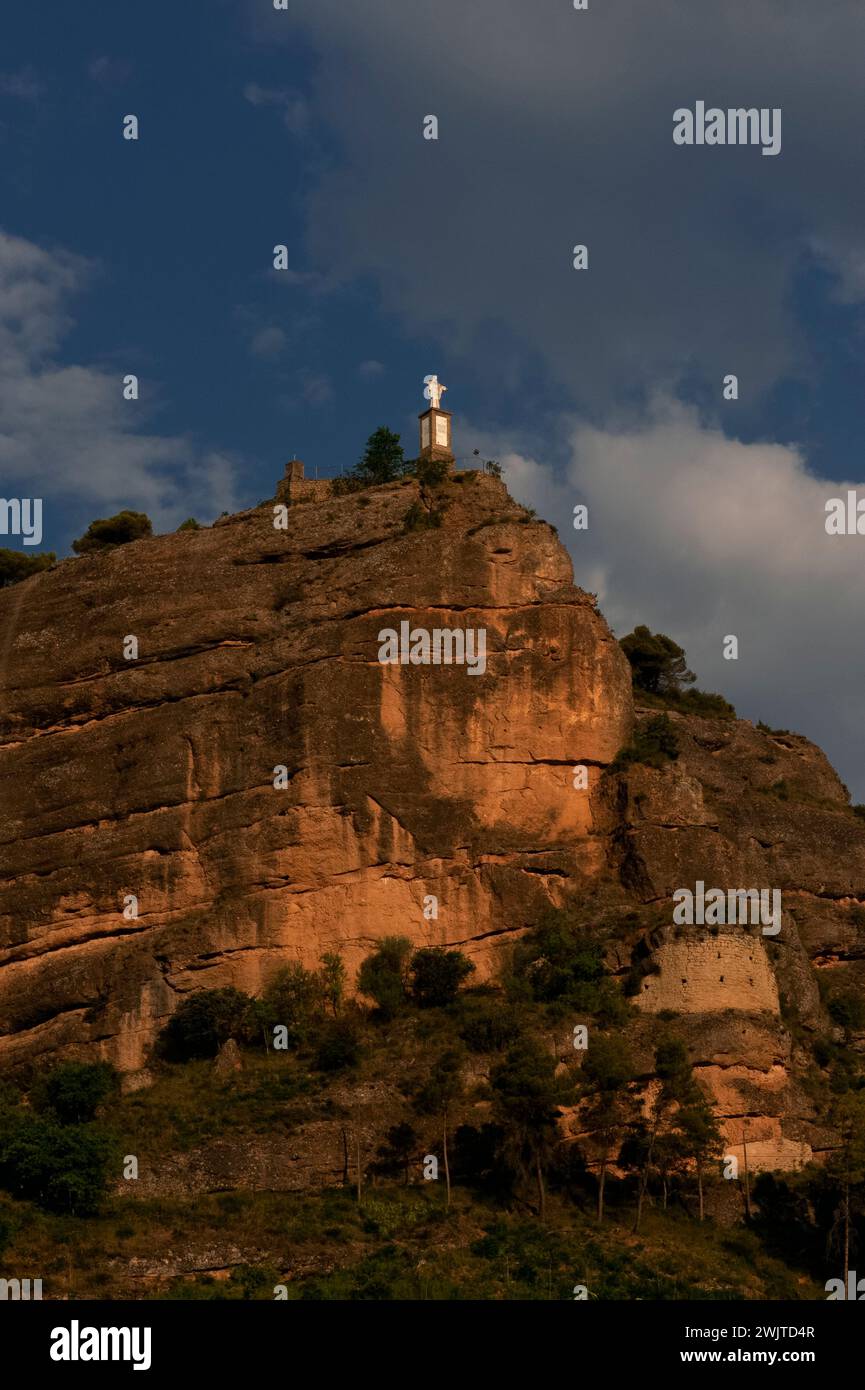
435	1138
54	1151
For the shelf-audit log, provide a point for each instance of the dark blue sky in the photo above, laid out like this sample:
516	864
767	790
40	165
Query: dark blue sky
181	226
454	256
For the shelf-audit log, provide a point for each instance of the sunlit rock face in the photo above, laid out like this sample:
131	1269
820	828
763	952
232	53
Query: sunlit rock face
157	778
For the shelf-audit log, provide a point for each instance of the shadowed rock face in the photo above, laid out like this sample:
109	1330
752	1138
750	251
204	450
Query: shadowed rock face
747	808
258	648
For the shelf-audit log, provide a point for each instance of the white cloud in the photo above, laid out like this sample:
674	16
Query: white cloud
702	536
65	430
23	84
317	389
295	112
108	71
267	342
370	369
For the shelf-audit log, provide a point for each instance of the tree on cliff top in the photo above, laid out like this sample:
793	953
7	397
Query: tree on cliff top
106	532
657	662
383	459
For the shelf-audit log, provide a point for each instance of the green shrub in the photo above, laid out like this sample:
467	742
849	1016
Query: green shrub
654	744
113	530
491	1026
383	974
704	703
15	566
421	518
558	963
345	484
203	1022
295	1000
74	1091
190	524
436	975
338	1045
63	1168
432	472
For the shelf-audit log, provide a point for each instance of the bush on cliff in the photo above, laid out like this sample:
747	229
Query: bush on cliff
383	975
488	1025
15	566
557	963
705	703
654	744
338	1045
345	483
73	1091
110	531
298	1000
436	975
431	472
293	1000
421	518
62	1167
203	1022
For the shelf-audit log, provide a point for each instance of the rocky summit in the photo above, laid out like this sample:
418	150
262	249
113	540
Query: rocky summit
256	785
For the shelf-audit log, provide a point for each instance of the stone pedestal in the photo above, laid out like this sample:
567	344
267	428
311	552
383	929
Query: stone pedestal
435	435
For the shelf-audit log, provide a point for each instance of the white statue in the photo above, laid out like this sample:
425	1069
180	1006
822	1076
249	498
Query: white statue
433	391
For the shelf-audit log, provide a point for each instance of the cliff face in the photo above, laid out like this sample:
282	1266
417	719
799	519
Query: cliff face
258	648
742	808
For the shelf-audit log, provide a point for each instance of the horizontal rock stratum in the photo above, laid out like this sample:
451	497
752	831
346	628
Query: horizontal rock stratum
258	648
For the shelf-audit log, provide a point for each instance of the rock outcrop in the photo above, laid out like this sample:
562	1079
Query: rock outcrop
256	786
744	807
156	779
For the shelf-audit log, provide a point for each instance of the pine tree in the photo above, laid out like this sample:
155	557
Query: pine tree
607	1077
383	460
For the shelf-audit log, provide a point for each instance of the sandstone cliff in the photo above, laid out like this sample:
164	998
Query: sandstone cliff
258	649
